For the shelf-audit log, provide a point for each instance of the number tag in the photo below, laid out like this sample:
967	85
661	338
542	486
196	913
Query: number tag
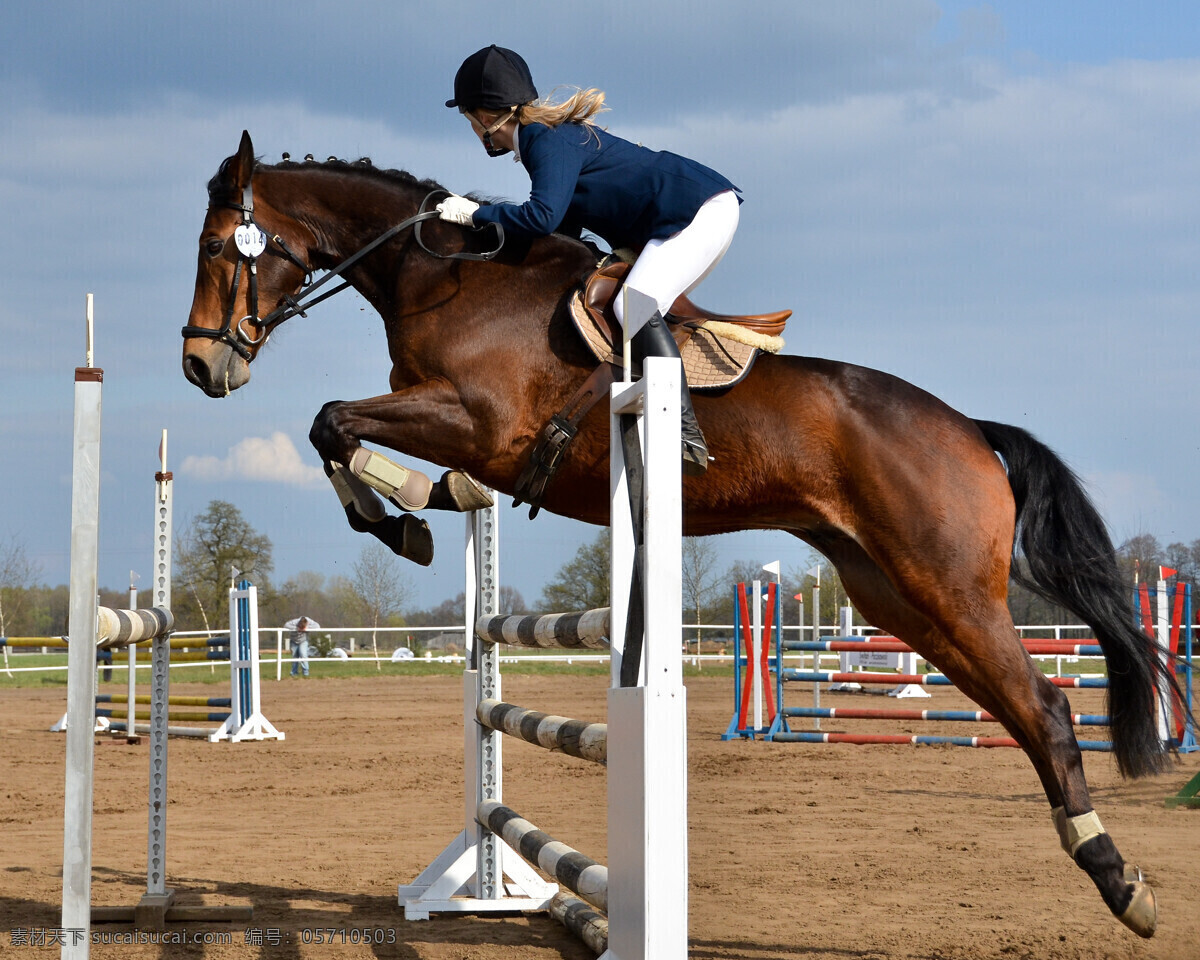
250	240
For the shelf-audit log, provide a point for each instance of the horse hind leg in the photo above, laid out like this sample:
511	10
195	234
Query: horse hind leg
987	661
990	665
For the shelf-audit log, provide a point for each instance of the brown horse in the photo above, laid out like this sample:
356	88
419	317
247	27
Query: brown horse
904	495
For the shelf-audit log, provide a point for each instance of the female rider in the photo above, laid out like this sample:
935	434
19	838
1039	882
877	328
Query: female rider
678	214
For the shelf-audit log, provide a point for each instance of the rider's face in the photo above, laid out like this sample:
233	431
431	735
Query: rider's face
501	138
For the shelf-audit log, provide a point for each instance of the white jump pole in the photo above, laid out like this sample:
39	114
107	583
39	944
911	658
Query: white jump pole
131	677
647	724
81	657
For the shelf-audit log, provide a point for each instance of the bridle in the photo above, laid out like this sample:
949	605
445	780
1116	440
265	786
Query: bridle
252	241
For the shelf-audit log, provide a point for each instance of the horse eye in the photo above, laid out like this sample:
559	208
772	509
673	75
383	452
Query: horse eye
214	247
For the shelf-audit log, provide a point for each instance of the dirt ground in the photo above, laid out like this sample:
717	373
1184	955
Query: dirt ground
796	852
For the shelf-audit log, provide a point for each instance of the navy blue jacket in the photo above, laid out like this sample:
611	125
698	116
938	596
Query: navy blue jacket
583	177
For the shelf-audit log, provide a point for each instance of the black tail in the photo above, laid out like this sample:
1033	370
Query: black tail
1069	559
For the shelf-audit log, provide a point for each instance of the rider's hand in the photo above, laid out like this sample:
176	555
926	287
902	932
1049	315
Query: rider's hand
458	210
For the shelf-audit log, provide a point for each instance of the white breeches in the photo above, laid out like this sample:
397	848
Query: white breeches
673	266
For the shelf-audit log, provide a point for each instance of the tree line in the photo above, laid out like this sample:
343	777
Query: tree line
219	546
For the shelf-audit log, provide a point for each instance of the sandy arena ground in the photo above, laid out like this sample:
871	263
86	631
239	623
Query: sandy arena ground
797	852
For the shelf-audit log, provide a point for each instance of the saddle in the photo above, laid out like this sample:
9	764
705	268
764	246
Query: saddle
717	350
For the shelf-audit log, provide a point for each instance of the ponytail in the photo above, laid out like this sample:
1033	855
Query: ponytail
580	107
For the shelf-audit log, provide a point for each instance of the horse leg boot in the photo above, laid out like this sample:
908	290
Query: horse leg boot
406	535
1129	897
655	340
411	490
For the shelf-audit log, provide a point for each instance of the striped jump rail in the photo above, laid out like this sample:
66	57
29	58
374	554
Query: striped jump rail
119	628
961	716
1046	648
184	643
571	631
201	656
916	740
580	874
576	738
579	918
920	679
115	628
180	701
173	730
57	643
173	715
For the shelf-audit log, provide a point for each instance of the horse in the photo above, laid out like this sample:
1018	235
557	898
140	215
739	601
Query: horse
923	511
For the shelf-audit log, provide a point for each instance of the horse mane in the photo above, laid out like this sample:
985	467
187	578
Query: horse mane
219	191
218	186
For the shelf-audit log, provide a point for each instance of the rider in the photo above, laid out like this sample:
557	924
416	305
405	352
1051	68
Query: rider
678	214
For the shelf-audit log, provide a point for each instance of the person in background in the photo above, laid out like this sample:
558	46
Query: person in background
299	638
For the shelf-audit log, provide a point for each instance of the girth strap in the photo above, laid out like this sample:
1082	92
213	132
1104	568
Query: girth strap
547	454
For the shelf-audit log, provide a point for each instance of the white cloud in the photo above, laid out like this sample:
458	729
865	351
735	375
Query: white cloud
273	459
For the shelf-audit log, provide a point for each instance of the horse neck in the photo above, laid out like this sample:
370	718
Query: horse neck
345	211
341	211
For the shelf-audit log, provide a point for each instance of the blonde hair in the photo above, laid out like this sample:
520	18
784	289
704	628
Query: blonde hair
580	107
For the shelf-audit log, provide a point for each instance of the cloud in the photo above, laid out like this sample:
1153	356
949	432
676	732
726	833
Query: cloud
273	459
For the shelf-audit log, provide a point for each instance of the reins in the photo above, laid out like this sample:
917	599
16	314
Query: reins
252	241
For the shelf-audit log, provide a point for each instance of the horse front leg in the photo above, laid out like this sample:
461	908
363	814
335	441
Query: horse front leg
360	475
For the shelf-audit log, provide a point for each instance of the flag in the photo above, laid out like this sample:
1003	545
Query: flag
815	572
1164	572
773	569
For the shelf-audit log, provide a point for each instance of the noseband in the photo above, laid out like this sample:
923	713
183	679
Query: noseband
252	241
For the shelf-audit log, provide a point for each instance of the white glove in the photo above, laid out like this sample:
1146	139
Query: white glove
458	210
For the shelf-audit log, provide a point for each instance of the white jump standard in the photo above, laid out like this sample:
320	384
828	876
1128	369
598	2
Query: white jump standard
486	868
94	626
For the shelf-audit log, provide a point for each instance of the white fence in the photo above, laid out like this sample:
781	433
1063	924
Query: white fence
355	640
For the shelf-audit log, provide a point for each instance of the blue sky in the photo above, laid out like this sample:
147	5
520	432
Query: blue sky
997	202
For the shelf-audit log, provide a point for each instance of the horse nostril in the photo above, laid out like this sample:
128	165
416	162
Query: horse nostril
196	370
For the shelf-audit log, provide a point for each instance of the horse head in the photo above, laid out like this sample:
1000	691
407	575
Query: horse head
246	258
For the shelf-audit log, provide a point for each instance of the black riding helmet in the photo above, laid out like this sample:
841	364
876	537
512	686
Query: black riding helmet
493	78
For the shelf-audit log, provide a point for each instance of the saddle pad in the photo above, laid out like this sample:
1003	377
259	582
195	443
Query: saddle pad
712	357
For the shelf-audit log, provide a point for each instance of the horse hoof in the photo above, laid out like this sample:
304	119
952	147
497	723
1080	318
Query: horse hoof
1141	916
406	536
416	542
466	492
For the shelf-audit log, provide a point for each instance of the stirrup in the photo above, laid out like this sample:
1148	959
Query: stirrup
694	449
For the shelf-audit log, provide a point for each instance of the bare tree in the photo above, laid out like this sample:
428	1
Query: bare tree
700	584
582	582
17	573
380	587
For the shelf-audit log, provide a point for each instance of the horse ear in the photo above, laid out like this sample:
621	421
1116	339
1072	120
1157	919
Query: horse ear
242	167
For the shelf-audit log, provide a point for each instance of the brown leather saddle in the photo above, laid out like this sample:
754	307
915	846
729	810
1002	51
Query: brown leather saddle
717	351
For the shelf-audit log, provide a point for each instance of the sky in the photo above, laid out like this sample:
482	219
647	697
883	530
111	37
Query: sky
997	202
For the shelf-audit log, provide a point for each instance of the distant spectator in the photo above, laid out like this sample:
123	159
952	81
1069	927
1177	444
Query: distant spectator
298	635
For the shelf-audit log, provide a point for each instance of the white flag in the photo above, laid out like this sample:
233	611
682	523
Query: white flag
773	569
816	573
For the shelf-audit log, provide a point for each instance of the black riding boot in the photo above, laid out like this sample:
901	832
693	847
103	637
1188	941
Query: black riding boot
655	340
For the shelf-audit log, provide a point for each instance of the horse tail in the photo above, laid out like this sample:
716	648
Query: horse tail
1069	559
